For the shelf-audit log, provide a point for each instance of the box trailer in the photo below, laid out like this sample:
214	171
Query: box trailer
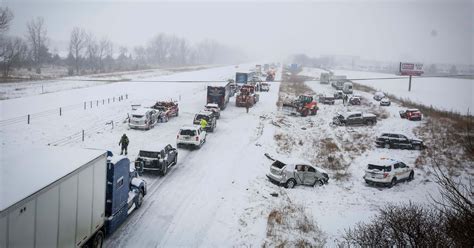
63	197
219	95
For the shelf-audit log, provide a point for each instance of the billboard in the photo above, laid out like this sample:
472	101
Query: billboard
411	69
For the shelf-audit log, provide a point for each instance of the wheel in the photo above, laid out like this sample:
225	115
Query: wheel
304	113
411	176
140	199
417	147
290	183
370	123
393	182
98	239
165	170
387	145
319	183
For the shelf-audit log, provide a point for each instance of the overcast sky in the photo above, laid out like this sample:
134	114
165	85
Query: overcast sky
427	31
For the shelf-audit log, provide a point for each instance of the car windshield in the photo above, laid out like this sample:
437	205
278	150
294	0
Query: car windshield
199	117
278	164
137	116
379	167
187	132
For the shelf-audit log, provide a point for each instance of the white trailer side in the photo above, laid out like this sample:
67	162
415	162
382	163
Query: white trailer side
50	196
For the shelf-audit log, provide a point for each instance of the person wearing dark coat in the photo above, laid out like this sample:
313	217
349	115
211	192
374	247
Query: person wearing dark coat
124	143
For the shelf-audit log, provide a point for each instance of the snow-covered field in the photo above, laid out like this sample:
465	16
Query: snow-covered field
451	94
217	196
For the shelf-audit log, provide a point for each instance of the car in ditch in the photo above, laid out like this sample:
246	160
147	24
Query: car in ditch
400	141
354	100
411	114
156	159
191	136
379	96
387	172
143	118
296	172
214	108
354	118
385	102
209	117
326	99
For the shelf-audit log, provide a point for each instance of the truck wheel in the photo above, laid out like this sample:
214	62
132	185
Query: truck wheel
98	239
290	183
387	145
370	123
140	199
304	113
165	170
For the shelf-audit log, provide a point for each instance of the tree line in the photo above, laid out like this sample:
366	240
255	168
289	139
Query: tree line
88	53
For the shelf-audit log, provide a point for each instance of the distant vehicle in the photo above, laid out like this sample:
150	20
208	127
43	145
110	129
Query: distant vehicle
339	94
338	81
209	117
304	105
213	107
354	100
219	95
266	67
191	136
246	96
264	87
167	109
78	197
143	118
258	69
354	118
324	78
347	88
387	172
156	159
394	140
411	114
326	99
385	102
378	96
297	172
270	76
242	78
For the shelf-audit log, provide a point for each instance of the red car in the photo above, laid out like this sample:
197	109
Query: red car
411	114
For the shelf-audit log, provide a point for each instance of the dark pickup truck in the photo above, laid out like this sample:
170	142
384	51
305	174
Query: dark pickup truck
393	140
157	160
354	118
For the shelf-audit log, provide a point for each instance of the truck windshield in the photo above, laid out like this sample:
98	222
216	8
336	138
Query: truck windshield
380	167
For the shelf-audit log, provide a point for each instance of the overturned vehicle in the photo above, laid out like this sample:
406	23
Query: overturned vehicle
296	172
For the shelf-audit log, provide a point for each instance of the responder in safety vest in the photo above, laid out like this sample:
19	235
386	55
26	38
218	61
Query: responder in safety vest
203	124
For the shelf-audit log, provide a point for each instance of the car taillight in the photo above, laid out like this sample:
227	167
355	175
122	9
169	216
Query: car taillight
385	175
197	138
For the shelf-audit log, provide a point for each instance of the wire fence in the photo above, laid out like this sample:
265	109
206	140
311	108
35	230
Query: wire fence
60	110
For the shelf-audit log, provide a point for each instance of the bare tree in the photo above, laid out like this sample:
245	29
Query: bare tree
76	45
37	37
13	50
92	50
105	50
6	16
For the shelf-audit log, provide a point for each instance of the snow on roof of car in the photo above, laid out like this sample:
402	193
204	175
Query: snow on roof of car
384	161
412	110
205	112
212	105
353	113
26	170
155	147
194	127
140	111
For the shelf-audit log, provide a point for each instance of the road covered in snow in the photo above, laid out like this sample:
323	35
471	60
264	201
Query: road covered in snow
219	196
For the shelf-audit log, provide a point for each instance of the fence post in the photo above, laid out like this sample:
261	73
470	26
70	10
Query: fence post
112	124
108	100
28	119
97	103
84	105
114	99
60	111
82	135
91	104
126	96
103	101
409	84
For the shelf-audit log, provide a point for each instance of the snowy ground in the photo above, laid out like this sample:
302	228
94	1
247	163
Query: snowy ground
217	196
451	94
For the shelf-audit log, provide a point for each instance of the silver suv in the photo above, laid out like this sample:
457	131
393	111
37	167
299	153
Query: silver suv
295	173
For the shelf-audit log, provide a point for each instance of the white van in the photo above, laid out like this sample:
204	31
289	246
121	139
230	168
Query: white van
347	88
143	118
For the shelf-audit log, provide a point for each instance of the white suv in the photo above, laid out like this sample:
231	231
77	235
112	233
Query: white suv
191	136
388	172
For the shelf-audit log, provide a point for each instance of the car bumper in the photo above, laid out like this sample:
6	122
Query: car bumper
138	126
188	142
377	181
275	179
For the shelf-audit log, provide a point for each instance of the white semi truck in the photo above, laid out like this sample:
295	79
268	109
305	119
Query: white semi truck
64	197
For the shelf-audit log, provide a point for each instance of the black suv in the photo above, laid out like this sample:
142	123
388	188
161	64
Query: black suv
157	160
393	140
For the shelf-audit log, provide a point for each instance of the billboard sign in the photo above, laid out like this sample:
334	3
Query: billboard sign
411	69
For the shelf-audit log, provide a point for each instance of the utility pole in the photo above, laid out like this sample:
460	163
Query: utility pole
409	83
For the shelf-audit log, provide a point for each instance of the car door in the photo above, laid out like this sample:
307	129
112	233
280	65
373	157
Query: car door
404	170
393	140
299	173
404	142
310	175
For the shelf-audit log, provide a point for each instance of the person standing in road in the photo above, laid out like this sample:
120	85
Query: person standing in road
247	103
124	143
203	123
